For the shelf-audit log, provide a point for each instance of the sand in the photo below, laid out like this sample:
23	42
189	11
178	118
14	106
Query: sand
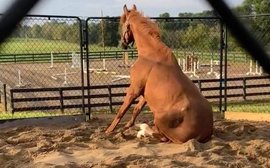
70	142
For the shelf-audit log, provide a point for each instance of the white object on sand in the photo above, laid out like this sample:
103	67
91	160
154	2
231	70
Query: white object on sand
144	130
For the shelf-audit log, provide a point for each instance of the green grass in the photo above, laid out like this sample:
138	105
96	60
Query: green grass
250	106
31	45
22	46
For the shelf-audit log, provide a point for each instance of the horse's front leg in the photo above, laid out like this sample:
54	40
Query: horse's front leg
137	109
132	93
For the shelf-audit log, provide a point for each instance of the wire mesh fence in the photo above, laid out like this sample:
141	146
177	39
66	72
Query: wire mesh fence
254	86
194	41
43	52
42	68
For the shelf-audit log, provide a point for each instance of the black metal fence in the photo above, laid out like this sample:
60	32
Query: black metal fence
43	66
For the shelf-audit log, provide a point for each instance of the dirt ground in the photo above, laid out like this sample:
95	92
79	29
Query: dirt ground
71	142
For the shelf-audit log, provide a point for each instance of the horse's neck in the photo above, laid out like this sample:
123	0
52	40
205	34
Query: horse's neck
149	46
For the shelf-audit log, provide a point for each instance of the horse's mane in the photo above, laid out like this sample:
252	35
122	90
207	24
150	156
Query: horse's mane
145	25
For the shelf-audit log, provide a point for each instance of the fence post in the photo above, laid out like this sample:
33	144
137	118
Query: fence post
12	101
244	88
110	98
200	85
116	54
5	97
61	100
0	95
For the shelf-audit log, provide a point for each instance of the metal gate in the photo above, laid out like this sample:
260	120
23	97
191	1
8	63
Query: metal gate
194	40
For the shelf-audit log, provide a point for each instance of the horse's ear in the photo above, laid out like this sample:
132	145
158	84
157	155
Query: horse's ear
134	7
125	9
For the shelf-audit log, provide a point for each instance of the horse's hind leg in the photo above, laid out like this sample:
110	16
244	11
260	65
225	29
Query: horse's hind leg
132	93
137	109
159	136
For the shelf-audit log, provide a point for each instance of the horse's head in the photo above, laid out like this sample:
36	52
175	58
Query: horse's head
126	33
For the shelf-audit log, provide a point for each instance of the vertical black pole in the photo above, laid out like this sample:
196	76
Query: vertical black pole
61	100
1	95
225	68
110	98
11	100
200	85
221	67
5	96
87	69
82	69
244	88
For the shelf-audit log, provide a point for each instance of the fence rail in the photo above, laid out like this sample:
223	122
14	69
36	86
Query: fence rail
242	90
67	56
61	56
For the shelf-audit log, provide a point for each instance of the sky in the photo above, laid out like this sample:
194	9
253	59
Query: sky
89	8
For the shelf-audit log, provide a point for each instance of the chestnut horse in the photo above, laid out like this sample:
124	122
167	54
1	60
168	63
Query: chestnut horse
180	111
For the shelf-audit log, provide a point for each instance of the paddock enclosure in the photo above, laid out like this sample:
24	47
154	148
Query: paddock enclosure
61	65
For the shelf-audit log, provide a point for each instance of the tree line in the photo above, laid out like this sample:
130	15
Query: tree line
202	34
53	30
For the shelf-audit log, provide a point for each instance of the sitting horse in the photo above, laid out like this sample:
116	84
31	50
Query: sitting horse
180	111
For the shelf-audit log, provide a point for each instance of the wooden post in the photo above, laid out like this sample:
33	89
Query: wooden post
5	97
132	54
200	85
244	88
110	98
0	96
61	100
126	58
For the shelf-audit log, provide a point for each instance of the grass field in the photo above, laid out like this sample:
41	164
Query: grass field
252	106
31	45
22	46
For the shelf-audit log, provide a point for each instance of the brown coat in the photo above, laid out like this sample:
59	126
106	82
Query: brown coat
180	111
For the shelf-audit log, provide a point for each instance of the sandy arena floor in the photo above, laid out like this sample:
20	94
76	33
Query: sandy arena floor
66	143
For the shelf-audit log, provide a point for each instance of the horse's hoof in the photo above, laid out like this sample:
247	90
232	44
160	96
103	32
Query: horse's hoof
108	131
164	140
128	125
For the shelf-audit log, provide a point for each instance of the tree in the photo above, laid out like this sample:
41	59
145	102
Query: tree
46	30
73	33
111	35
36	31
94	33
201	37
258	24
